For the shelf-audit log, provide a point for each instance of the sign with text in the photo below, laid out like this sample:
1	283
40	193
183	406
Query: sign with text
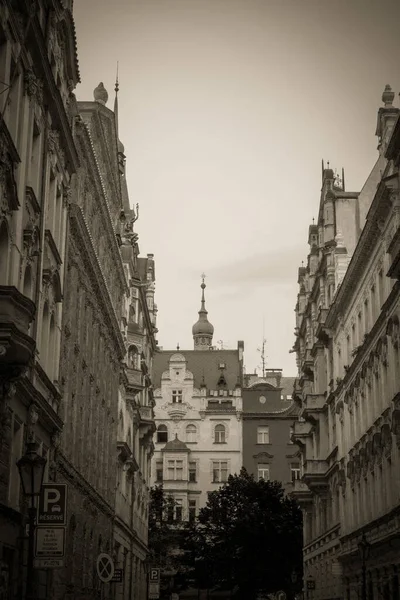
154	590
118	576
52	505
50	542
48	563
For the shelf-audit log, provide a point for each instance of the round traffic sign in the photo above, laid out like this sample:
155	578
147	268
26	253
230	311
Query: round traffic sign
105	567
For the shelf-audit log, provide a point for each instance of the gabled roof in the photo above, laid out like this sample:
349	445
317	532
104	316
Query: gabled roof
202	363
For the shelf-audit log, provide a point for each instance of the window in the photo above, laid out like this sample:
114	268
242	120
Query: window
220	471
191	433
291	432
262	435
16	453
178	510
159	470
192	471
219	434
162	434
192	510
295	471
177	396
175	469
263	472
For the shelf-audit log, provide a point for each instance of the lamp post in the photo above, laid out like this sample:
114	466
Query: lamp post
31	471
363	547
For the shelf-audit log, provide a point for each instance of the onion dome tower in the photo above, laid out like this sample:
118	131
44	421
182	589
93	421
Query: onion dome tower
202	330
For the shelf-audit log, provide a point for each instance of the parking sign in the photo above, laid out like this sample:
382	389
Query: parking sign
52	505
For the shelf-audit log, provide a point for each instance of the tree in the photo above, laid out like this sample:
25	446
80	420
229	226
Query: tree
248	537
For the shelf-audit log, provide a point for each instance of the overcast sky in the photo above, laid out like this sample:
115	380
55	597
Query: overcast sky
226	109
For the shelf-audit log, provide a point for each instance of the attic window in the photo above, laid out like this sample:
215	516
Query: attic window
221	380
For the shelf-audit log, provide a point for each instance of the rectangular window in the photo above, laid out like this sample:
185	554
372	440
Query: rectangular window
16	453
159	470
192	471
262	435
295	471
177	396
175	470
220	471
263	472
291	432
178	510
192	510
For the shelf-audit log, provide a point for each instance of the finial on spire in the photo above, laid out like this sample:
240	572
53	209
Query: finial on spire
202	330
313	221
116	82
177	346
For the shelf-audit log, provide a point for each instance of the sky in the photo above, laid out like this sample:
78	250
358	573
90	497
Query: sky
226	109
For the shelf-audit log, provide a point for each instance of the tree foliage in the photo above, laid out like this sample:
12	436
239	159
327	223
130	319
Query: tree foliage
161	532
248	537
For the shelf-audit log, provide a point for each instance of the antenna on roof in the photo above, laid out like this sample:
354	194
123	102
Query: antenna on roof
343	186
262	350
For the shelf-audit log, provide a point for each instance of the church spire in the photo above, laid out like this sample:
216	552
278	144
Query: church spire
202	330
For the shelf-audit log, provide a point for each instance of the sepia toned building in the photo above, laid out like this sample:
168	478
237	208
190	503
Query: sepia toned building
198	413
348	386
38	159
268	414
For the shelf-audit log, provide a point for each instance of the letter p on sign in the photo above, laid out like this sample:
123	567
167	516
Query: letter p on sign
51	496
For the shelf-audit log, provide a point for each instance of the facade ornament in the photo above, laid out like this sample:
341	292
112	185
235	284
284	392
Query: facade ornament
33	86
33	417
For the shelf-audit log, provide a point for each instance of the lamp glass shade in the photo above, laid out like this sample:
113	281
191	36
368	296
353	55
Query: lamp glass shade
31	468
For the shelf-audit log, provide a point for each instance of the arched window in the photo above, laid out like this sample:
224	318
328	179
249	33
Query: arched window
219	434
162	434
133	357
191	433
4	254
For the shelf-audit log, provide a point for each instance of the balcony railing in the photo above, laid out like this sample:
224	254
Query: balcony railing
315	467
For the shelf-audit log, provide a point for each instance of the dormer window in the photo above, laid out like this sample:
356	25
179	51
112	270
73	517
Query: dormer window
177	396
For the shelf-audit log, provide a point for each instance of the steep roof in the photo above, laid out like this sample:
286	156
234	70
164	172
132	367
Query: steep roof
287	385
202	362
175	446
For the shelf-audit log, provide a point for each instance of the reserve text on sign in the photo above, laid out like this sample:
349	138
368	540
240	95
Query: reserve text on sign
52	505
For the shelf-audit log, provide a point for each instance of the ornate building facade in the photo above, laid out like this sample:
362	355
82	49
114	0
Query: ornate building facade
38	159
198	413
268	413
348	357
77	313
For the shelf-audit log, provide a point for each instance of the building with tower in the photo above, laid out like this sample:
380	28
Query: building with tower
347	346
198	412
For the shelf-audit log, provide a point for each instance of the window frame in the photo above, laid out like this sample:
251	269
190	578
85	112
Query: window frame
177	396
165	431
262	432
261	468
218	433
176	470
220	470
193	433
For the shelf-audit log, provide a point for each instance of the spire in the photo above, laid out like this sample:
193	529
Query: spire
202	330
116	100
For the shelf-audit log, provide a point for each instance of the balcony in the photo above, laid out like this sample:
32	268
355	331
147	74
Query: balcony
302	493
313	405
315	473
134	378
301	431
16	314
220	404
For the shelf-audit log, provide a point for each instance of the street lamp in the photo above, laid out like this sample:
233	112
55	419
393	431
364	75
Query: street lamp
31	471
364	547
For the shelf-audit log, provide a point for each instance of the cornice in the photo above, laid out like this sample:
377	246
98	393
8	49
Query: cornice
90	153
104	296
55	104
369	237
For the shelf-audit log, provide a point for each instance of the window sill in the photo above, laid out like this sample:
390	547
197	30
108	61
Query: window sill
191	442
220	442
263	444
